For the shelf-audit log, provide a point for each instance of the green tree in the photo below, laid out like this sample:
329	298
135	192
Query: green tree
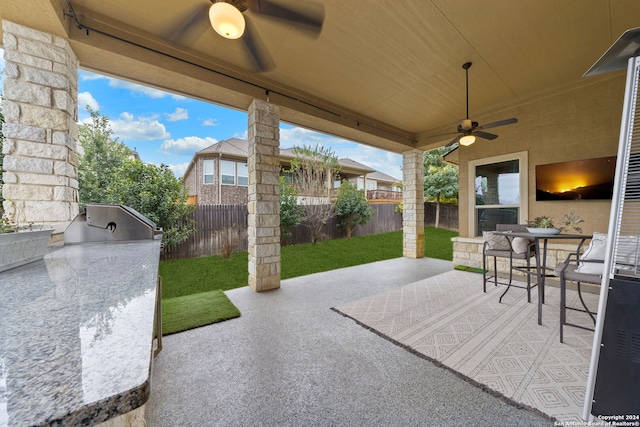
107	173
291	213
440	178
103	156
352	207
314	170
157	194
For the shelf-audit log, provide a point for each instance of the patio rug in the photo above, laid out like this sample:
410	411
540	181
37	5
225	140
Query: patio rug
500	347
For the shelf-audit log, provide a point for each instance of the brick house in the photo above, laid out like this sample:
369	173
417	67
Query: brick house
219	174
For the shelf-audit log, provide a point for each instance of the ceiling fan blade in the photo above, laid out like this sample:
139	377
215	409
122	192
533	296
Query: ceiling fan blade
189	26
258	52
454	140
307	16
499	123
485	135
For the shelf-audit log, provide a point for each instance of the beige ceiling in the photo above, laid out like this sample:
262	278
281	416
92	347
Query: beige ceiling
383	72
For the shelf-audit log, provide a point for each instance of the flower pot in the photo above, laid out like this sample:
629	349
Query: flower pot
543	231
22	247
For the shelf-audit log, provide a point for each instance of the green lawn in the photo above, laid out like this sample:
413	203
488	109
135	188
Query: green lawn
192	289
190	276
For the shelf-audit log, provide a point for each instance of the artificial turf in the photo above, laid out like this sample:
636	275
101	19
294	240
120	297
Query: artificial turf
192	311
199	276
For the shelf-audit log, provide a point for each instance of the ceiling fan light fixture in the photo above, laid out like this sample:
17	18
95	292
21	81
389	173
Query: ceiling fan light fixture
467	140
226	20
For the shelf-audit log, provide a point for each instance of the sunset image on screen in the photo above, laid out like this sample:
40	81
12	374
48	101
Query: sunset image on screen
589	179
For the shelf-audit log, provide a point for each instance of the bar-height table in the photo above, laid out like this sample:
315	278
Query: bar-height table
541	267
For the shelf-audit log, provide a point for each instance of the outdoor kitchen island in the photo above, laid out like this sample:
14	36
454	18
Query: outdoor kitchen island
76	334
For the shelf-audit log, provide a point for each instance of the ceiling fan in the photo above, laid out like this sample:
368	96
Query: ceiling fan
469	129
230	20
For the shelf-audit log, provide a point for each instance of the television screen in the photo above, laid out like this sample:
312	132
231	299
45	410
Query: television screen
590	179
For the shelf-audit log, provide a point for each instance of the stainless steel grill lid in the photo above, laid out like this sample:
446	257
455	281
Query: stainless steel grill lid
104	223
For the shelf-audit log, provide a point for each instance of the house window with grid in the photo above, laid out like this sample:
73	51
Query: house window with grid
243	174
227	172
208	170
500	195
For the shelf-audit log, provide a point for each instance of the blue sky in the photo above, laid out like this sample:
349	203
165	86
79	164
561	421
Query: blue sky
166	128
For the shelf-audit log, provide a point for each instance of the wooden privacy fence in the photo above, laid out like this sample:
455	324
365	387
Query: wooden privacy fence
217	227
223	228
448	215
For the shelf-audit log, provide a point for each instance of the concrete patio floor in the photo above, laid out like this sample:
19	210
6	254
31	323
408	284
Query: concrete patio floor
290	360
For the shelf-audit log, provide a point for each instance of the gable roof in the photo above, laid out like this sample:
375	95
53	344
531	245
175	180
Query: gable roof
231	147
349	164
381	176
239	148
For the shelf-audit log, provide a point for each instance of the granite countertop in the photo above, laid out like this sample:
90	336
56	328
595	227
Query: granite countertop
76	334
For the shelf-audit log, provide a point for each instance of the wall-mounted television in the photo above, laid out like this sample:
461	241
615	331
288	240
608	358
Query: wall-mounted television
590	179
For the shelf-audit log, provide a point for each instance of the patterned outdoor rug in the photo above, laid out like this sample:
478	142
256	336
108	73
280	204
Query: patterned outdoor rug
449	320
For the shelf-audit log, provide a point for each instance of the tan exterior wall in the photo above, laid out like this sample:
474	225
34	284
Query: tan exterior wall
580	124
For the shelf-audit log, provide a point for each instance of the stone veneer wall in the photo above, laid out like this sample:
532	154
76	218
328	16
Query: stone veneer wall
413	204
264	196
40	109
467	251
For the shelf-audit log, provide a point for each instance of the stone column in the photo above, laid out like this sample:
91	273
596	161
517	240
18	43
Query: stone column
412	204
264	196
40	130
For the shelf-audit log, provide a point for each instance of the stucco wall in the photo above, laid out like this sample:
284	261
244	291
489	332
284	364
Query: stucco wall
581	124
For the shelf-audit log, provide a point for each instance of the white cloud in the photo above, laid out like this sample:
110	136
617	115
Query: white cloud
189	144
133	87
85	99
128	127
300	137
179	114
88	75
210	122
380	160
242	135
144	90
179	169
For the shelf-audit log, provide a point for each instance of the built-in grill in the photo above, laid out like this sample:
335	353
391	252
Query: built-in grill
104	223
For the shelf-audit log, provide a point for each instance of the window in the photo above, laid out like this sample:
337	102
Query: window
243	174
498	183
288	177
228	172
209	176
372	185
